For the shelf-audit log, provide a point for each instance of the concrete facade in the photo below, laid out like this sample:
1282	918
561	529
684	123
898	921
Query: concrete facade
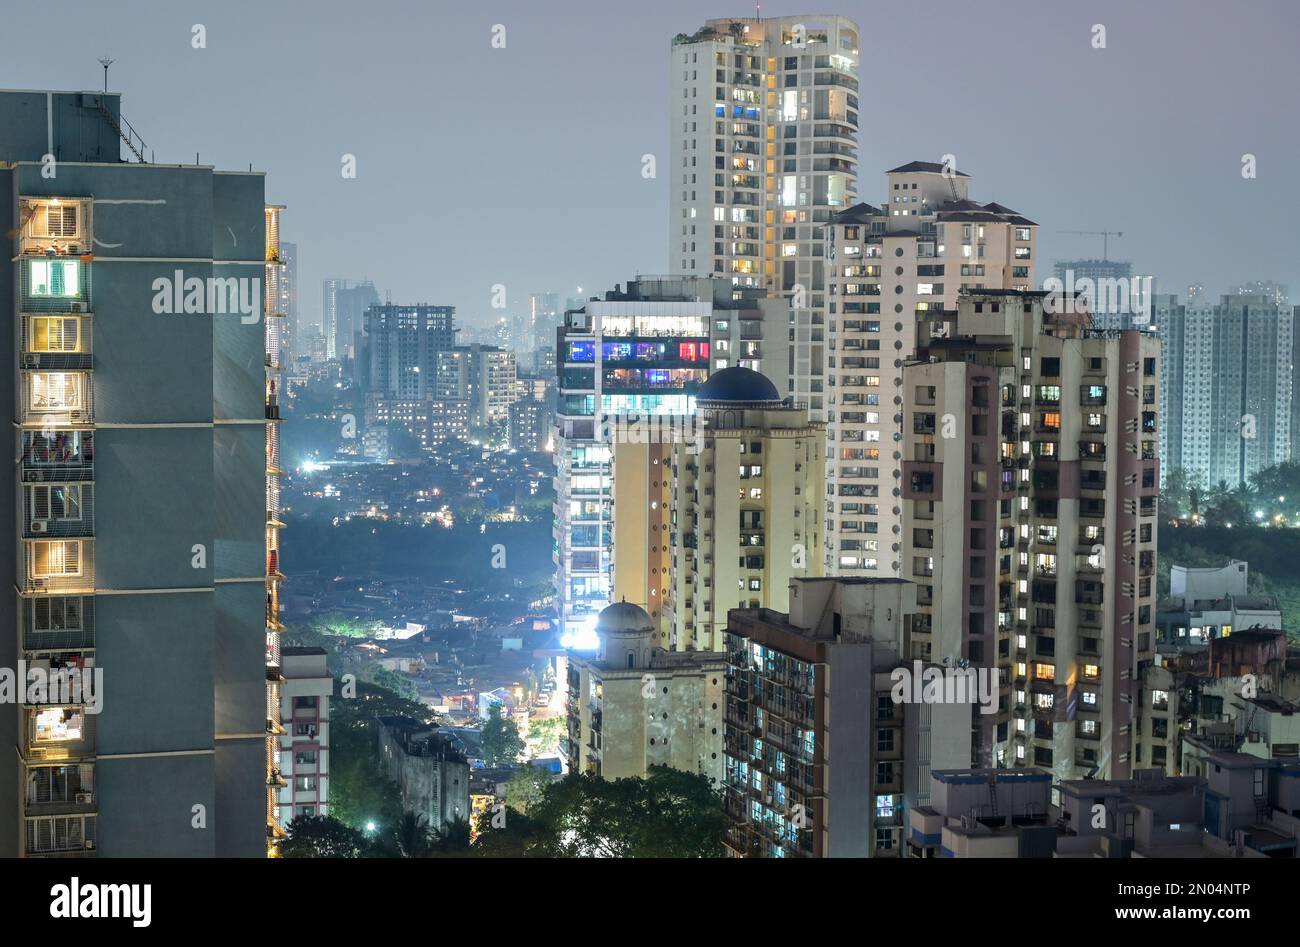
162	426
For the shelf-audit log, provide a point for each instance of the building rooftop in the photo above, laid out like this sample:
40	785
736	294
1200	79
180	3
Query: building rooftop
929	167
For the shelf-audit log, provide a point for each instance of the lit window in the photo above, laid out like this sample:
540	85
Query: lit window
55	278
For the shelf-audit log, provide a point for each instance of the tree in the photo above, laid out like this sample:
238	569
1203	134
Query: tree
547	732
526	787
667	814
453	838
412	837
321	837
500	738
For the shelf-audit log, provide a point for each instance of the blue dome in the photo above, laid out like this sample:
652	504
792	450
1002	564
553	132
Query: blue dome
738	385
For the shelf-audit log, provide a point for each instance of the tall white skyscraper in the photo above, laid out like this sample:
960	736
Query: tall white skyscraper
764	127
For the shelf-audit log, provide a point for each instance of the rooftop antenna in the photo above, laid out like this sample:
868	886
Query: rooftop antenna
106	62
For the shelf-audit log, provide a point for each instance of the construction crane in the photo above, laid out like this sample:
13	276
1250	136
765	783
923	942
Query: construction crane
1105	238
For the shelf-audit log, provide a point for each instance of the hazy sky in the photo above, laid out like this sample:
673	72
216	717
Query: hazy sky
522	165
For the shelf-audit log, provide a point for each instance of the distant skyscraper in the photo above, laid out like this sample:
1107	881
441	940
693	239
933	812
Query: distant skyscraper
1229	385
763	151
398	363
343	306
1119	300
894	270
545	315
140	504
287	300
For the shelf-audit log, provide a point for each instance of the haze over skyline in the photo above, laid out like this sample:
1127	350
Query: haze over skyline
524	168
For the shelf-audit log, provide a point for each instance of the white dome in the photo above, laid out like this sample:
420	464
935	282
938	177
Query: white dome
624	620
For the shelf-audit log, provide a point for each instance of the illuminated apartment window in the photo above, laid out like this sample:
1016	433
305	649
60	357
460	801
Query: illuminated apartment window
1045	672
54	558
54	334
59	724
55	279
56	391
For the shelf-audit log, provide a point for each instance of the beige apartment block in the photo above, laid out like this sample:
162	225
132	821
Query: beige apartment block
1029	485
892	271
746	500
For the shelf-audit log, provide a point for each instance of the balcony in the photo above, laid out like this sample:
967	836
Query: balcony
55	227
55	399
60	835
58	624
60	790
54	285
56	565
58	510
56	733
56	342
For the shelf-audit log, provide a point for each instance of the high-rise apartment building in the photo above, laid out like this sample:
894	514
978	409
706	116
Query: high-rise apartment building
763	121
401	347
1030	482
893	270
629	366
1229	385
483	375
744	507
789	676
143	388
398	365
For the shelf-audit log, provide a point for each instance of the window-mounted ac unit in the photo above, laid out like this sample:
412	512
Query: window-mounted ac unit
31	360
78	307
84	798
40	526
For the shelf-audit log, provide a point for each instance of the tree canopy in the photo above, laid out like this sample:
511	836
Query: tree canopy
667	814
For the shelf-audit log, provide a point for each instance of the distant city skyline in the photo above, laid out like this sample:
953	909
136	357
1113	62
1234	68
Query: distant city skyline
527	165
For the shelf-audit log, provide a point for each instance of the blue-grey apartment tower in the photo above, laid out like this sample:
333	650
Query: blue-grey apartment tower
143	515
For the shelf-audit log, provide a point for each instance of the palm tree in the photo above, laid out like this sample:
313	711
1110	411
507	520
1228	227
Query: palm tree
452	838
413	837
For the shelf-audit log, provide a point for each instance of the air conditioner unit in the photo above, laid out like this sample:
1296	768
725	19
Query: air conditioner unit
84	798
40	526
31	360
90	844
78	307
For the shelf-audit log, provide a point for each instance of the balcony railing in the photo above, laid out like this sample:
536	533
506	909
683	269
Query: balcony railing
50	456
60	835
58	623
60	789
58	510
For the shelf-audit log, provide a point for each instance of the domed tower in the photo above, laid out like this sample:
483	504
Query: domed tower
626	635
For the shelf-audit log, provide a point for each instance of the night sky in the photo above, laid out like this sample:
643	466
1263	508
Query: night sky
522	165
